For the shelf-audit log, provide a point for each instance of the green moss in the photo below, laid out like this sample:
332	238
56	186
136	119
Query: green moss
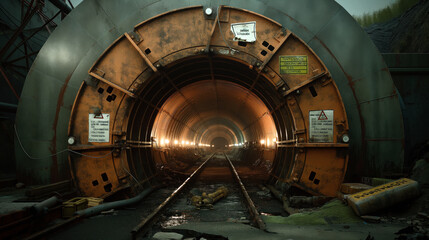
333	212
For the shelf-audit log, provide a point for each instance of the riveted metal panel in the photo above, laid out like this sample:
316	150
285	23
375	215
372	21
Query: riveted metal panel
331	32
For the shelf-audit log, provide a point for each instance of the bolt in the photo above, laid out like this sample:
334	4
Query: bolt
211	50
258	64
284	89
158	65
202	50
298	92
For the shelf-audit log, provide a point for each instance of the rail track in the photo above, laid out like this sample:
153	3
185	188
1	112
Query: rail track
145	225
217	170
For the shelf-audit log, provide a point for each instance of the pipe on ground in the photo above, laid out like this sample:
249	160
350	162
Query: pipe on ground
118	204
43	206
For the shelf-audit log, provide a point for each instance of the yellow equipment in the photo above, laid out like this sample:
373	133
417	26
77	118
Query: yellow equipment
207	200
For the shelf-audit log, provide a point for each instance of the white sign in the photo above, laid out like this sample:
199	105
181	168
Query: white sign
322	126
244	32
98	130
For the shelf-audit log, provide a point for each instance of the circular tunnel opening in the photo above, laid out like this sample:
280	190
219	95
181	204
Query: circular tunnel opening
169	97
204	104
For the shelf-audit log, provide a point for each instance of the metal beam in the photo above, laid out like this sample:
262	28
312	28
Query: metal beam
9	83
61	5
34	33
27	18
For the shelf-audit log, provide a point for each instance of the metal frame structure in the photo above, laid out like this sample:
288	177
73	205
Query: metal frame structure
19	40
363	80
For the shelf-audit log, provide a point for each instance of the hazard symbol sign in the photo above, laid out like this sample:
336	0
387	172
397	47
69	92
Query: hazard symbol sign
321	126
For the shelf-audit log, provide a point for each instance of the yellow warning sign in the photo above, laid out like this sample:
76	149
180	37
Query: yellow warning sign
291	64
380	189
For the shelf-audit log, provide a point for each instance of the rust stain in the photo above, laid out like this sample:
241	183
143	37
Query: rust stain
54	167
359	165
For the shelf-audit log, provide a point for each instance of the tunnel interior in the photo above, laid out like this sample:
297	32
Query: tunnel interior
208	103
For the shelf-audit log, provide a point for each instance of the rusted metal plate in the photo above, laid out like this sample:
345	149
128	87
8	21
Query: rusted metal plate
119	68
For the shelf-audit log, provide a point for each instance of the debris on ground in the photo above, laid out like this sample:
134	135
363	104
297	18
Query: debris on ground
350	188
207	200
383	196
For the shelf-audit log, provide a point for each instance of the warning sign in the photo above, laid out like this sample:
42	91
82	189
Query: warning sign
244	32
293	64
98	130
322	126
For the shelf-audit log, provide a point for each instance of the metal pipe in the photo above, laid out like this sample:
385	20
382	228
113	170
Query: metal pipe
92	211
43	206
118	204
61	5
282	198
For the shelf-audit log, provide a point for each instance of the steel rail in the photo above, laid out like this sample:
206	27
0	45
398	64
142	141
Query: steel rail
252	209
136	230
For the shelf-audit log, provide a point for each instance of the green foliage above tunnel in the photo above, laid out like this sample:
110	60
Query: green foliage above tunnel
383	15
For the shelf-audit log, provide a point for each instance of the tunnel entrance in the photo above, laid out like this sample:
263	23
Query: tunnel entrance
212	107
162	92
219	143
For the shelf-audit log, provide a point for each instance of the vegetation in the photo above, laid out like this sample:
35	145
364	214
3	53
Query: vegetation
385	14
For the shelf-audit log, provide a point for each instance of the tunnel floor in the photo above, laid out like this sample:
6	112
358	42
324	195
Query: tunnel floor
229	218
